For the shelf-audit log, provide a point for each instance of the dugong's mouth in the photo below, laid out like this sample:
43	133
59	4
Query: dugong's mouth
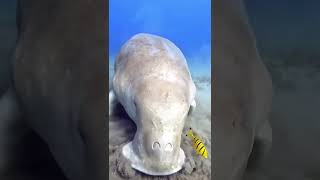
140	165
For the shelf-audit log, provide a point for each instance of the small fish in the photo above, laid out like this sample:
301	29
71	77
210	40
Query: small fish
197	144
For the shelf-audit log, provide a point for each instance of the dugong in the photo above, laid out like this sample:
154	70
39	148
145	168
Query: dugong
242	94
60	80
153	84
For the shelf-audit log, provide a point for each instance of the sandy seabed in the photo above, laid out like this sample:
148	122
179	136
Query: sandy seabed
122	130
295	124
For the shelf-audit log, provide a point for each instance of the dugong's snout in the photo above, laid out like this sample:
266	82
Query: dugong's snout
158	153
160	147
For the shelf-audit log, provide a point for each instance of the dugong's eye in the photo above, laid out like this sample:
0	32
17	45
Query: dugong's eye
135	104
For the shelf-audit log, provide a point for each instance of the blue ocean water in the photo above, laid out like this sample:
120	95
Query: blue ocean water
186	23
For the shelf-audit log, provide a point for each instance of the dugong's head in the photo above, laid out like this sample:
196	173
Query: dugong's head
161	110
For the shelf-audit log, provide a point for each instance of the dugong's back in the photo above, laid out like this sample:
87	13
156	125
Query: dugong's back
146	57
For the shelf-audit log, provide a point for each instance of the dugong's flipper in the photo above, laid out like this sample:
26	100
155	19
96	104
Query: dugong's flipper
262	145
9	108
193	106
10	136
112	101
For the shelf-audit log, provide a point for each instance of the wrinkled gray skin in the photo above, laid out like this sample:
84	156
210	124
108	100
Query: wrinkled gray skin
154	85
60	83
242	93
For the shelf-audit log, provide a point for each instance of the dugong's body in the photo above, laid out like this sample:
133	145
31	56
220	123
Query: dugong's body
242	93
154	85
60	81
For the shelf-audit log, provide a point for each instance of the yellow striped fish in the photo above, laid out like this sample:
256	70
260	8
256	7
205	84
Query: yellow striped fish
197	144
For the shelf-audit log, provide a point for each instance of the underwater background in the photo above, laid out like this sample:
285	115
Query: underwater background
188	25
288	39
287	33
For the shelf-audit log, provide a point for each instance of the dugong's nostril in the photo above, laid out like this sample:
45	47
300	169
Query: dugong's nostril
168	147
156	145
